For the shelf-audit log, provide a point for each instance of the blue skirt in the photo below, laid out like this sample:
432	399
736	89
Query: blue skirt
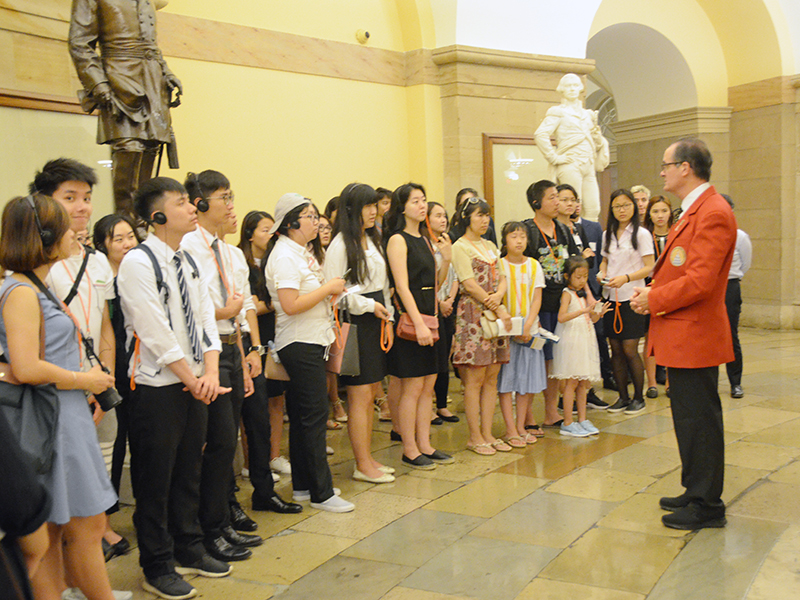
524	373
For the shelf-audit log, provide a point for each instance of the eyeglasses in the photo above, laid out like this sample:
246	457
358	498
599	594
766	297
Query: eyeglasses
625	206
314	218
665	165
227	198
325	228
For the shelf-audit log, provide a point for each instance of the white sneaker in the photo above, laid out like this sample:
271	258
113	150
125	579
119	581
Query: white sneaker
328	450
281	465
245	473
304	495
275	477
76	594
334	504
589	427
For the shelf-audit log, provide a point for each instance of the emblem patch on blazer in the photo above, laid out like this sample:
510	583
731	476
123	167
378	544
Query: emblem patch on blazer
677	257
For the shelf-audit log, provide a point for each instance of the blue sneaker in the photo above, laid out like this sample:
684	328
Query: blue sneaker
589	426
574	430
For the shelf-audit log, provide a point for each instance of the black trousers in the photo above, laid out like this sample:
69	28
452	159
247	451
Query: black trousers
120	445
606	370
697	415
307	405
447	328
224	416
255	416
733	302
167	429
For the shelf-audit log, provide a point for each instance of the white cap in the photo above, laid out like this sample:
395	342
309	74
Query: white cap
285	205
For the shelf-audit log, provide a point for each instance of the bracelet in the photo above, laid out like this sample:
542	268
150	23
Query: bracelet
74	380
629	278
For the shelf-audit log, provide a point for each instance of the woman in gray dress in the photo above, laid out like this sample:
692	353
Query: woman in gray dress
35	234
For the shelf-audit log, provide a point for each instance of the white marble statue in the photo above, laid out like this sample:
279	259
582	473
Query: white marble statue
580	150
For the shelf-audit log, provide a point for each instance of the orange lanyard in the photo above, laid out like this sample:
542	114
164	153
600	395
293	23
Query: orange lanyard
221	268
546	241
617	313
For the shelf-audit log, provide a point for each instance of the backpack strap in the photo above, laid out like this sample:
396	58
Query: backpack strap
196	275
79	276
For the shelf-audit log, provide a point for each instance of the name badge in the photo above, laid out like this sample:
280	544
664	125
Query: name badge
677	257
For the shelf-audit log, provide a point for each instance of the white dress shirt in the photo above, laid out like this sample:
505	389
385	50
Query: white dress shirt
198	244
162	331
623	259
742	256
241	275
292	266
377	278
690	198
95	289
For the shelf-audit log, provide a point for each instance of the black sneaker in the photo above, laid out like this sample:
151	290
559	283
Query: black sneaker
421	462
170	586
593	401
618	406
207	566
635	407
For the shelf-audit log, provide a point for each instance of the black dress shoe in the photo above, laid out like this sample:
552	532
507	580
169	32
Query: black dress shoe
437	420
673	503
276	504
239	519
694	517
118	549
737	391
449	419
221	549
661	375
243	540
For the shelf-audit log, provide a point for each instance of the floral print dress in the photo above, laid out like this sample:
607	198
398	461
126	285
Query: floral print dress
469	346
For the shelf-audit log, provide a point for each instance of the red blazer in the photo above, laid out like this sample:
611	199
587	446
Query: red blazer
689	325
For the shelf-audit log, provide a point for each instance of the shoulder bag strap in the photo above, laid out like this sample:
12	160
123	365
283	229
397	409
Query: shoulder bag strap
78	278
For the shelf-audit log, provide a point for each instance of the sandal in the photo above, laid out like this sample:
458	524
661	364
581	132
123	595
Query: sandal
501	446
515	441
383	412
338	403
482	449
333	425
535	430
530	438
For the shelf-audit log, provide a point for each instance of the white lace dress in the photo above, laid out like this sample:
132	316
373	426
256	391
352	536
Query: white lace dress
576	355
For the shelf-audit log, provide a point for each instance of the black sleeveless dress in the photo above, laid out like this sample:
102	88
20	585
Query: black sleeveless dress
406	358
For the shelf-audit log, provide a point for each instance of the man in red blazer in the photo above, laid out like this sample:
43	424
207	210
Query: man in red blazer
689	330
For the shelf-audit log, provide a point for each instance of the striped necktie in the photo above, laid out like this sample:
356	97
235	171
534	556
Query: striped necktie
191	324
223	289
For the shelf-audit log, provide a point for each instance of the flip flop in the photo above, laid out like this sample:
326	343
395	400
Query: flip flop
501	446
530	438
333	425
534	430
482	449
515	441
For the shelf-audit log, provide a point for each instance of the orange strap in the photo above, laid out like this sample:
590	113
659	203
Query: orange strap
385	345
617	313
430	229
337	330
136	360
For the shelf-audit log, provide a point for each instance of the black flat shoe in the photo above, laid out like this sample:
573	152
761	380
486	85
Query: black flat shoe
276	504
118	549
239	519
440	457
420	462
437	421
243	540
450	419
394	436
221	549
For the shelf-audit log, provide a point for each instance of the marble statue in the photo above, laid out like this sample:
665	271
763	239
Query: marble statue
129	82
580	150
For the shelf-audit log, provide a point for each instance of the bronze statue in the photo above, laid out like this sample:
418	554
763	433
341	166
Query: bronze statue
129	82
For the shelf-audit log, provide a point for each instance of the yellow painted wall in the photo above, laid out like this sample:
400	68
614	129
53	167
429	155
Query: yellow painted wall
273	132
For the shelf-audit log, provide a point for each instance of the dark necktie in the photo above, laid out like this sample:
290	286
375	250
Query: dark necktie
223	290
676	214
191	324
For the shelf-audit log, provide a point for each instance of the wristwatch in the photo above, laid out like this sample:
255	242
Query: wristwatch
261	350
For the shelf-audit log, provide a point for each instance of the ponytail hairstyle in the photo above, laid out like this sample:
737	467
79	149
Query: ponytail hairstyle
350	224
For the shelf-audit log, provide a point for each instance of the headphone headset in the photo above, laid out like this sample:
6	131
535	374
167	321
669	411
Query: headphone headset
537	204
295	224
48	235
159	218
202	204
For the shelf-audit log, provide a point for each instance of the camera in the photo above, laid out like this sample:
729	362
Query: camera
108	399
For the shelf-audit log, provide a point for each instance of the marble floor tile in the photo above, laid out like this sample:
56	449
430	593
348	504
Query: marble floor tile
785	434
270	523
404	593
344	578
640	513
719	563
285	558
481	568
555	457
768	500
778	577
759	455
374	510
415	538
737	480
789	474
600	484
469	466
642	426
664	440
640	459
488	495
784	402
751	419
620	560
231	588
419	487
543	519
548	589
